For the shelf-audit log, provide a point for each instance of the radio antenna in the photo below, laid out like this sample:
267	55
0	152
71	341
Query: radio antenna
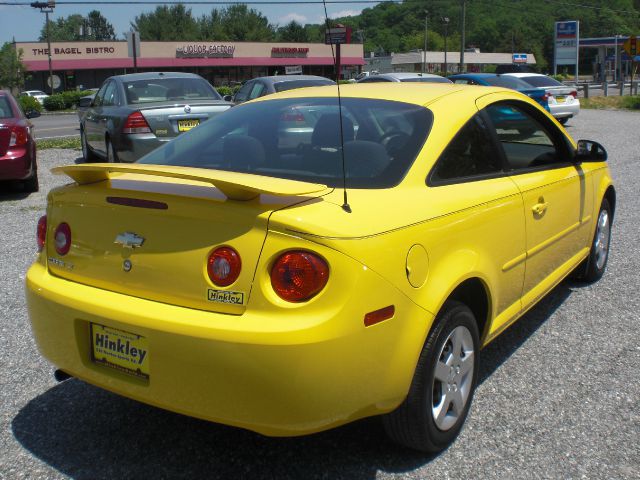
345	205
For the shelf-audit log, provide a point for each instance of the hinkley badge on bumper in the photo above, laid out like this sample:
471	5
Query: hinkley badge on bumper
129	240
226	296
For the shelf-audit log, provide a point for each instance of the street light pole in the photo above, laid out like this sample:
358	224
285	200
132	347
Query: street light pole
462	36
47	8
424	54
446	34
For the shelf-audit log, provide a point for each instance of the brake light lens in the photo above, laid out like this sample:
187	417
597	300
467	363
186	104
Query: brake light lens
19	136
574	94
41	232
62	238
292	116
136	123
223	266
297	276
546	96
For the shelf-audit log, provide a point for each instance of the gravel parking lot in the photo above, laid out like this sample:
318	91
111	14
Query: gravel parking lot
558	394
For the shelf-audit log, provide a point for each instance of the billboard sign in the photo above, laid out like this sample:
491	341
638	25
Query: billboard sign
519	58
566	39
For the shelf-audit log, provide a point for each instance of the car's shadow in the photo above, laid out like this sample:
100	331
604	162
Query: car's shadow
88	433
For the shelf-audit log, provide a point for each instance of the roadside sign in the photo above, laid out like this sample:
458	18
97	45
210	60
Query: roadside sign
519	58
56	81
131	38
632	46
293	69
337	35
566	38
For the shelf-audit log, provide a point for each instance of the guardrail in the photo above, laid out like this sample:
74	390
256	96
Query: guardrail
615	88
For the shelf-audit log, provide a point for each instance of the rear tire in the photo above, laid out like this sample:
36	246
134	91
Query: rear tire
88	155
593	267
435	409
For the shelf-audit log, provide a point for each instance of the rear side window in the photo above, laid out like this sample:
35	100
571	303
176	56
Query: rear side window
300	139
542	81
470	155
426	80
5	108
290	85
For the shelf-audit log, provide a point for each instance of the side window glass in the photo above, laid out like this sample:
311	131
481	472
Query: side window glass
97	101
525	140
256	91
470	154
110	97
462	81
243	93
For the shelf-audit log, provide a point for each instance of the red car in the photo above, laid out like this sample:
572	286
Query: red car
17	146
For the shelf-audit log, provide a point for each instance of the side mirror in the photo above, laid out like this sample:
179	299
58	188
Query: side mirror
85	102
590	151
228	98
32	114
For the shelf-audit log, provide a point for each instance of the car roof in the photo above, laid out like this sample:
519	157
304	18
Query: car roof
154	76
290	78
408	75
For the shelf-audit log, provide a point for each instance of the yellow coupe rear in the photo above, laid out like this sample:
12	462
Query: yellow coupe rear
297	263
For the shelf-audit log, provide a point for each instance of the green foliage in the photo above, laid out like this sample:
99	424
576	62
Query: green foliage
29	104
631	102
76	27
625	102
12	69
54	102
71	98
71	143
292	32
167	24
224	90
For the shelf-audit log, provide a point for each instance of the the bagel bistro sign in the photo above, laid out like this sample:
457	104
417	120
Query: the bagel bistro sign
204	50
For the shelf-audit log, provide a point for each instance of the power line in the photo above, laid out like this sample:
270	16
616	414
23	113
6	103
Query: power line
207	2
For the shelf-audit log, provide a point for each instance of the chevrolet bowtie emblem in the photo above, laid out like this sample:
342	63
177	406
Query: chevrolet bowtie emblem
129	240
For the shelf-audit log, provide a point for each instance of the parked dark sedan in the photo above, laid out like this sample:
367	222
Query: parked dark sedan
261	86
131	115
17	146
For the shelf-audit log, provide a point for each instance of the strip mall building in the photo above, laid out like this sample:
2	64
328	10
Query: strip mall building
88	64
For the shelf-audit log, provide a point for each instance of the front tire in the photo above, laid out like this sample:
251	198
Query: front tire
593	267
445	379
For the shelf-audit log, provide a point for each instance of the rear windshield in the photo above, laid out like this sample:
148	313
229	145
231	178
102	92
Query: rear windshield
5	108
163	89
299	139
426	79
507	82
542	81
290	85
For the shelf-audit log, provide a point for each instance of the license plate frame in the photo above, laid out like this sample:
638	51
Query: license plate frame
187	124
117	349
561	99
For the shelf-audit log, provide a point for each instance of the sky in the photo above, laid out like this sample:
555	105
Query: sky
24	22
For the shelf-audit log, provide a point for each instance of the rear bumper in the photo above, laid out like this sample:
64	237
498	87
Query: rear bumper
564	110
16	164
133	147
247	371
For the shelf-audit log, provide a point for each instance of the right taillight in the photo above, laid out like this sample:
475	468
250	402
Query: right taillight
546	96
297	276
62	238
19	136
136	123
42	232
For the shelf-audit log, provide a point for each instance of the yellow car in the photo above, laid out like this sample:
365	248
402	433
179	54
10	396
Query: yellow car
303	261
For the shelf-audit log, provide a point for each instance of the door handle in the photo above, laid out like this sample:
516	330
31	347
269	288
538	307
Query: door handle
539	208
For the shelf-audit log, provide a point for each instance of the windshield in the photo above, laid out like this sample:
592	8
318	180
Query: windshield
299	139
507	82
542	81
291	84
163	89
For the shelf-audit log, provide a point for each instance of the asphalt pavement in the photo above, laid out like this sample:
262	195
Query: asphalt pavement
56	126
558	396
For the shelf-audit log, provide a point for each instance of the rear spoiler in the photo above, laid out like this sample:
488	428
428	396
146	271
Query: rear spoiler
235	186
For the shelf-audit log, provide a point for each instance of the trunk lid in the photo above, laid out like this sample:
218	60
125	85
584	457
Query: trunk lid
147	231
172	120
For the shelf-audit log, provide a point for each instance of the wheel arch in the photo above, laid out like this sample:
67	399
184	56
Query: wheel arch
610	195
474	293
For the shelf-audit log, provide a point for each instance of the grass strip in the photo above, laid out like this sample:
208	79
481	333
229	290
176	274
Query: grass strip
71	143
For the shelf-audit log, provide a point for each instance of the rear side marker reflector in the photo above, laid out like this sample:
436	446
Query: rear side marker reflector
137	202
378	316
42	232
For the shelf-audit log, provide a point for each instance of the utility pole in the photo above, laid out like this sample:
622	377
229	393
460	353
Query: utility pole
424	54
446	34
462	36
47	8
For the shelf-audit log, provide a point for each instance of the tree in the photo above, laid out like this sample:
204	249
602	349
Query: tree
76	27
12	70
165	23
292	32
242	24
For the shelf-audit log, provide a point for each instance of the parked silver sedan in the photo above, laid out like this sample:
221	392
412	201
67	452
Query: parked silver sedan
404	77
131	115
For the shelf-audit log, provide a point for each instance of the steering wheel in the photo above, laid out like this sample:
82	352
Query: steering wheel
393	141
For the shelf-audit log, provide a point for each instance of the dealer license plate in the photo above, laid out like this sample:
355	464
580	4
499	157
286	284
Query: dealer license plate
123	351
184	125
560	99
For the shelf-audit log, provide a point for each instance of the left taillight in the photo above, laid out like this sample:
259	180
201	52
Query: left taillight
62	238
136	123
224	266
19	136
574	94
42	232
297	276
